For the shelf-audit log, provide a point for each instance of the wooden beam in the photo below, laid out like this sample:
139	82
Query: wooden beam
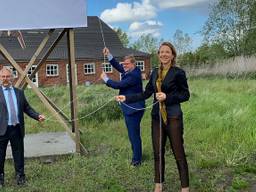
32	60
48	52
6	55
72	85
79	146
63	115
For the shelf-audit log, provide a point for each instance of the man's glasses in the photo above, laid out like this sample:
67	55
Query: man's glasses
6	76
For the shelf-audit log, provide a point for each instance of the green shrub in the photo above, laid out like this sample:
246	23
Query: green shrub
99	111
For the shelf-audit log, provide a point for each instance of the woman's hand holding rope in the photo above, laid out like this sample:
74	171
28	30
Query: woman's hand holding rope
160	96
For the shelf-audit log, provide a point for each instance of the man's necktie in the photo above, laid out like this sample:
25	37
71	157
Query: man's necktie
14	119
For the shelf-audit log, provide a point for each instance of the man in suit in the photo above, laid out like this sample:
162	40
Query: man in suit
130	83
13	105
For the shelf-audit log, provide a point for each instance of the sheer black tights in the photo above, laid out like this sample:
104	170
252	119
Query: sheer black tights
174	131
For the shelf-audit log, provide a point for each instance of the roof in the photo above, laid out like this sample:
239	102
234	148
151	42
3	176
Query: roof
88	43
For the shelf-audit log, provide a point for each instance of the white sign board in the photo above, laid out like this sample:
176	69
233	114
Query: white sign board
42	14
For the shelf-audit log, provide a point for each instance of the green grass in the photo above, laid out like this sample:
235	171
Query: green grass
219	135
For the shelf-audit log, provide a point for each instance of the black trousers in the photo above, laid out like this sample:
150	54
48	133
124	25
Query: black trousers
174	131
13	134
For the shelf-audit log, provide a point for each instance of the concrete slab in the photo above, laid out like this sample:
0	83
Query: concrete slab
46	144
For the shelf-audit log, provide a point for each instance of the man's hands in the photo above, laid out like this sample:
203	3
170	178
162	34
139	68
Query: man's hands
120	98
160	96
103	75
105	51
41	118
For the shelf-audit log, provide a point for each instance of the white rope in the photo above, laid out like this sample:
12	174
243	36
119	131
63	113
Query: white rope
68	104
160	144
104	58
91	113
101	30
139	109
103	39
87	115
96	110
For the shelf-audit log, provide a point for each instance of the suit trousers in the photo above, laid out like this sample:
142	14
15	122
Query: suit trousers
133	125
13	134
174	132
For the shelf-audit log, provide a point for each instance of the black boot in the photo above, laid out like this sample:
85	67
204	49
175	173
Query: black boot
20	179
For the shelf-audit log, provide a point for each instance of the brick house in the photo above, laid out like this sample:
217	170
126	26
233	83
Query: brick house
89	58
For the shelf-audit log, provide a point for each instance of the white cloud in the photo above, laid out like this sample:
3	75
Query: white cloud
165	4
137	29
129	12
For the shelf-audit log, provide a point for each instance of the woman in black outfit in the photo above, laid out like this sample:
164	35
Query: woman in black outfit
169	85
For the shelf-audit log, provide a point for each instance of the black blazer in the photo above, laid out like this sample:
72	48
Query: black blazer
23	107
175	87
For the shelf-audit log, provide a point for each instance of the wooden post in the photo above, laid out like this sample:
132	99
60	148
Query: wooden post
44	58
72	85
9	58
76	137
33	59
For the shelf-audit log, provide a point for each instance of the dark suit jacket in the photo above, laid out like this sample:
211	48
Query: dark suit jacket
23	106
131	83
174	86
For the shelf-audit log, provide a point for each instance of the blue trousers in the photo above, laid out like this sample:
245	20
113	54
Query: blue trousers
133	126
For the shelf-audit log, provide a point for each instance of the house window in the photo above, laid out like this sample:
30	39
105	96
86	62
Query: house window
89	68
141	65
35	78
52	70
14	71
107	68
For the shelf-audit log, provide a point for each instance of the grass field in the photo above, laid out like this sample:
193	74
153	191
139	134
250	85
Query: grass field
220	141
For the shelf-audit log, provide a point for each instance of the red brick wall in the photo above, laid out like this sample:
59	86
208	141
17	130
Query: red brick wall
44	80
61	79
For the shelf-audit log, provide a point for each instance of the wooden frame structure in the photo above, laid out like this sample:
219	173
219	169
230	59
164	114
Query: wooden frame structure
25	80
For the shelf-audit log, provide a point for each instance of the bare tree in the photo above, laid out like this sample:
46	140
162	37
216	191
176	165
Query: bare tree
228	24
182	42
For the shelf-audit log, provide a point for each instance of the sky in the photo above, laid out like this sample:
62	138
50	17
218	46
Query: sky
161	18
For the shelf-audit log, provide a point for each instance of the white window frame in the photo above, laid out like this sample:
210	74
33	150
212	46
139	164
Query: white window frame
35	78
52	65
90	66
14	71
107	66
141	65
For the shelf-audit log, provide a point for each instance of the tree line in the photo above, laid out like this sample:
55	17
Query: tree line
229	31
